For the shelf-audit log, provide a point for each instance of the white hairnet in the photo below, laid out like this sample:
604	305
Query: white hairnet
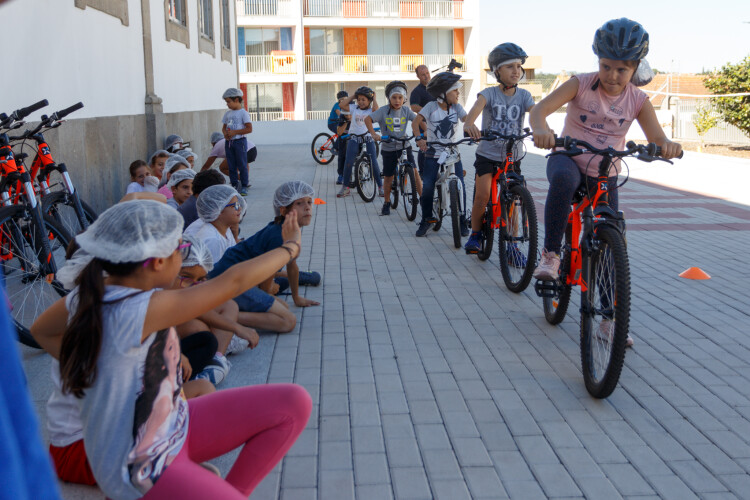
158	152
171	140
216	137
231	92
186	153
199	254
179	176
173	162
214	199
289	192
132	231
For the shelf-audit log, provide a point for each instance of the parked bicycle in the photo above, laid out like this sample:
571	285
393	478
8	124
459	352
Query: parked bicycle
594	256
449	189
32	244
405	181
511	211
362	170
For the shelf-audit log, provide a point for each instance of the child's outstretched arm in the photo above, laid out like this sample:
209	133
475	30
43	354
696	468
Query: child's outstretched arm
654	133
371	129
544	137
469	127
417	132
293	276
374	102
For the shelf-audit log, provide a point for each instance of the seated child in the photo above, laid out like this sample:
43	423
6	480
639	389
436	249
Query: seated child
174	163
203	179
157	161
188	154
219	207
141	181
181	184
173	143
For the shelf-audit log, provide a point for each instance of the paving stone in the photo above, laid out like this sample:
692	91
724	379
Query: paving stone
371	468
410	483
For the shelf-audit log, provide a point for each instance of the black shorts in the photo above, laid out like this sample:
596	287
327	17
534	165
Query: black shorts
484	165
390	161
252	154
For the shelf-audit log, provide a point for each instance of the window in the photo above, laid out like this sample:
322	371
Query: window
326	42
261	41
383	41
226	28
323	95
177	11
176	20
206	19
437	41
265	97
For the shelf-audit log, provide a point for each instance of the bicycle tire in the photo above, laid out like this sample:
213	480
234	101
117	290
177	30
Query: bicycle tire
556	307
439	212
365	180
409	193
518	250
455	212
606	296
29	293
61	206
320	153
488	234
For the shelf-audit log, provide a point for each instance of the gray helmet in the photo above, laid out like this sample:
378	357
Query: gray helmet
442	83
231	92
621	40
505	52
396	84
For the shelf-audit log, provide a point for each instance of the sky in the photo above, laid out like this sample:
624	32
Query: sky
686	37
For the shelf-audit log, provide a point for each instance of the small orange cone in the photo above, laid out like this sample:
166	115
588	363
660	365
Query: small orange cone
695	273
319	201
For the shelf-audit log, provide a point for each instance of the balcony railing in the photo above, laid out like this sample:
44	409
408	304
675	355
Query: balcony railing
408	9
378	63
278	64
318	115
271	116
282	8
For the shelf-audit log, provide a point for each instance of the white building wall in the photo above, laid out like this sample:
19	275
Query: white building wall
64	54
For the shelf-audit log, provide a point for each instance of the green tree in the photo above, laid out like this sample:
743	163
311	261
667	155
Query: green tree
704	119
733	79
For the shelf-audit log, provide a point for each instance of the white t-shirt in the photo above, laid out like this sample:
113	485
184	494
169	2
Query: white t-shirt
442	125
210	236
358	120
63	413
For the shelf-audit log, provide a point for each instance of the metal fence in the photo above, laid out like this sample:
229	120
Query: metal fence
377	63
281	8
723	133
278	64
271	116
318	115
409	9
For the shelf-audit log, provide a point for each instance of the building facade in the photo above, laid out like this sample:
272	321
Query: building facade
295	55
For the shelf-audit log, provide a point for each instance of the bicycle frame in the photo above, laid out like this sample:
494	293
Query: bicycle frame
446	174
504	178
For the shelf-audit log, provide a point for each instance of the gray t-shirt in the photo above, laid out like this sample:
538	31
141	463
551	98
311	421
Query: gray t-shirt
235	119
135	417
441	125
502	114
393	124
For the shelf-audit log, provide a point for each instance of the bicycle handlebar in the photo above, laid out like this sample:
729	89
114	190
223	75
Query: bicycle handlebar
387	138
490	135
65	112
648	152
467	140
24	112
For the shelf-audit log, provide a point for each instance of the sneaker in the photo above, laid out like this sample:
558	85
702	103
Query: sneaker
465	228
548	267
345	191
606	332
309	278
381	193
216	370
386	208
473	245
243	191
340	179
515	257
423	228
236	345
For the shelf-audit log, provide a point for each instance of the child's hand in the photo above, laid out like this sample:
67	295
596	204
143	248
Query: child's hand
303	302
422	144
274	288
248	334
290	231
544	139
473	131
670	149
187	370
377	137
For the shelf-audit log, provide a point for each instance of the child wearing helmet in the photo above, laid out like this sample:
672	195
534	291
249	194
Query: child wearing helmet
440	118
601	107
366	104
392	119
503	109
236	123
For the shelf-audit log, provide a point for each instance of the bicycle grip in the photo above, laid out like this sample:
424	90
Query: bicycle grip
658	152
23	112
560	142
65	112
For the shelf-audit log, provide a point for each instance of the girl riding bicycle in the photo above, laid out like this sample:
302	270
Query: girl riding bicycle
601	106
366	104
503	109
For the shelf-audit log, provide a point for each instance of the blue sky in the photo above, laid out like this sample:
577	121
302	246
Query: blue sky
685	36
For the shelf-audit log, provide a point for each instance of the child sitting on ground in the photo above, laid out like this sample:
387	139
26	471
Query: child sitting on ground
173	143
202	181
140	179
181	184
174	163
188	154
157	162
219	208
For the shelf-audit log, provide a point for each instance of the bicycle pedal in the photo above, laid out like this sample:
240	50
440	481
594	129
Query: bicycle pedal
471	252
547	289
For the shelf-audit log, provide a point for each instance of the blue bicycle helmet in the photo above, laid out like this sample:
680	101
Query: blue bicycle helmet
621	40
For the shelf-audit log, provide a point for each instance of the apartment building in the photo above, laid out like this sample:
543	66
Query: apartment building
295	55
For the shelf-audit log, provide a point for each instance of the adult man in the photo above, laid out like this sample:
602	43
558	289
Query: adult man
417	100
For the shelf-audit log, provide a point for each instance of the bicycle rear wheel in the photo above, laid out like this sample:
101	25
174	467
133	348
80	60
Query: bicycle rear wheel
365	180
488	234
605	312
322	148
556	307
61	206
517	238
437	208
455	212
394	192
30	291
409	193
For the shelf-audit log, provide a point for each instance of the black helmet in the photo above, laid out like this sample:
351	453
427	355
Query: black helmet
505	52
441	83
621	40
342	93
393	85
365	91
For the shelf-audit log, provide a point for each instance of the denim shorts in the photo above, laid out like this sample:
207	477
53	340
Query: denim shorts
255	300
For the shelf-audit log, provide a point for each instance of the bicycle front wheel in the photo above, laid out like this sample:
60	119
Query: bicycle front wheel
322	148
605	311
365	180
409	193
488	234
61	206
517	238
437	208
30	291
394	193
453	193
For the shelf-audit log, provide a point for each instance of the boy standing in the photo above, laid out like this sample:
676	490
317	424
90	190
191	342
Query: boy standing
236	123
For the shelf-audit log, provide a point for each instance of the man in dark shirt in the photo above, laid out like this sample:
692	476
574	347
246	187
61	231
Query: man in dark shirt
418	99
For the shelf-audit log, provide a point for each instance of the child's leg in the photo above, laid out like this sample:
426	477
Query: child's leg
390	164
197	387
417	171
199	348
429	178
223	337
231	162
242	161
564	178
342	149
352	148
482	188
264	312
458	168
71	463
372	152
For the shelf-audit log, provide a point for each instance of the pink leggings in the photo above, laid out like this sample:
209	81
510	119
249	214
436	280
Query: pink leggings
266	419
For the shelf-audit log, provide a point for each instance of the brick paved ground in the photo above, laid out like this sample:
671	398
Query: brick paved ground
431	380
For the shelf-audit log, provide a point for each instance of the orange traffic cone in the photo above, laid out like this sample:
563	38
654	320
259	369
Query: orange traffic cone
319	201
695	273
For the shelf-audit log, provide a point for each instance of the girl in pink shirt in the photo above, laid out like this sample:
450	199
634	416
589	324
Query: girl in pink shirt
601	106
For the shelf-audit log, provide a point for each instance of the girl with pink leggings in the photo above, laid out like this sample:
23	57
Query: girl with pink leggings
120	355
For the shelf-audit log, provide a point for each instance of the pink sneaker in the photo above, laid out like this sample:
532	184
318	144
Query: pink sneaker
606	333
548	268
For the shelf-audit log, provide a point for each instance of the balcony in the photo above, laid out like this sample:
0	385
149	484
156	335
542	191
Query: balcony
405	9
378	63
265	8
271	116
318	115
279	62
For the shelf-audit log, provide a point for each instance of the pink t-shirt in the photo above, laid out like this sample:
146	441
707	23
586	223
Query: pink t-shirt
166	191
601	120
